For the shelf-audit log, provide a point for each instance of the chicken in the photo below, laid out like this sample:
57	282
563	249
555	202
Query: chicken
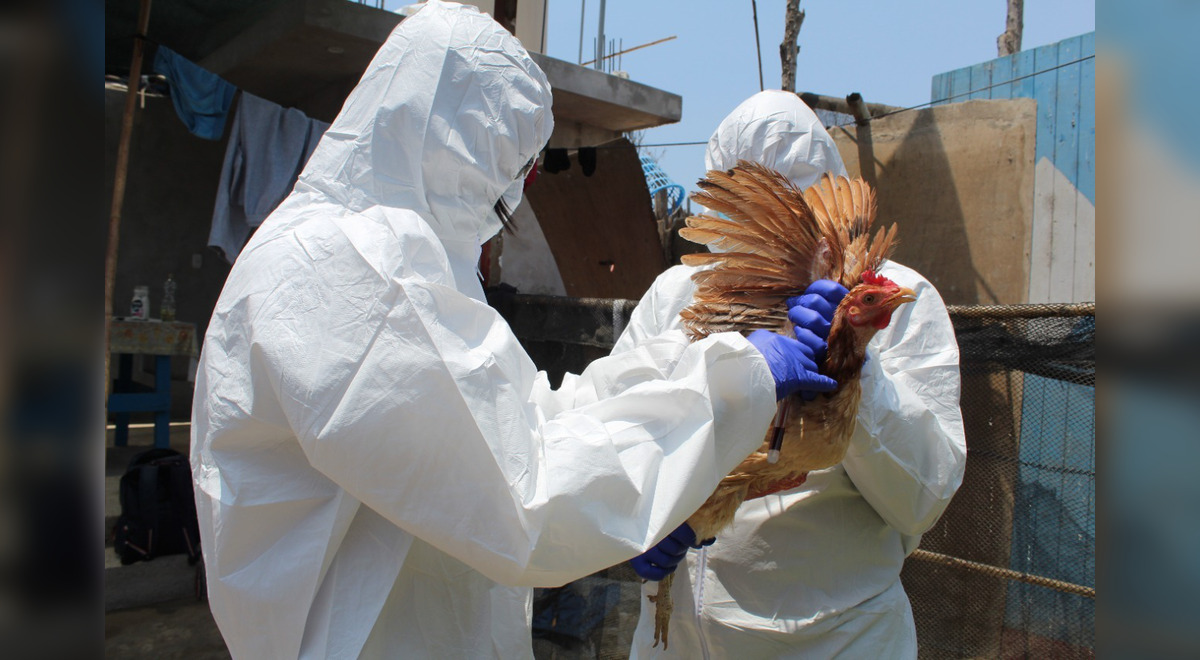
775	241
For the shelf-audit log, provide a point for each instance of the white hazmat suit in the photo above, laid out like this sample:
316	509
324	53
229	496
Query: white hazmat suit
380	470
814	572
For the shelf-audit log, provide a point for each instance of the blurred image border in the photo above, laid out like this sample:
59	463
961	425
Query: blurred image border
52	225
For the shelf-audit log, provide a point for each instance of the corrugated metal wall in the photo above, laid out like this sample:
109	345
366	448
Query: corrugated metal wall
1061	77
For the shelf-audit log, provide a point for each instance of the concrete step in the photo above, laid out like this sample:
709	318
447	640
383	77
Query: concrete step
180	629
146	583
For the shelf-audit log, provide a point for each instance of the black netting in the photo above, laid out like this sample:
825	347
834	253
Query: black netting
1025	516
1008	571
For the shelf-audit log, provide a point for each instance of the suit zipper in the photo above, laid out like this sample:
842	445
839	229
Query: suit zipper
698	599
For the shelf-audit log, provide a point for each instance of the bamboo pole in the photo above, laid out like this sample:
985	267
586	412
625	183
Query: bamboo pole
630	50
858	108
119	180
1022	311
839	104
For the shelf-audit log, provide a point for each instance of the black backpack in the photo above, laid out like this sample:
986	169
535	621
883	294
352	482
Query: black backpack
158	509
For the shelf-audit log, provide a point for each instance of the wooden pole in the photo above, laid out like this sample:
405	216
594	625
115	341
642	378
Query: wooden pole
1010	42
119	180
840	104
793	18
858	108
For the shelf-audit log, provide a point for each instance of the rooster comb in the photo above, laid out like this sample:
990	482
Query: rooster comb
873	278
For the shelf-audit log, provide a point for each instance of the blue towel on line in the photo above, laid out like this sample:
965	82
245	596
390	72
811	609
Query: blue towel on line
201	98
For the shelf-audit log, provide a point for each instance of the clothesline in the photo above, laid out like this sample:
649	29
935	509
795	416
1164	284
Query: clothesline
267	148
269	144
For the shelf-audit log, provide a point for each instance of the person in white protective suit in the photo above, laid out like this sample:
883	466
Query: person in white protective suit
814	572
379	469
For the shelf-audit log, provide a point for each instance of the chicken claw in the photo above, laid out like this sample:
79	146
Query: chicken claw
662	610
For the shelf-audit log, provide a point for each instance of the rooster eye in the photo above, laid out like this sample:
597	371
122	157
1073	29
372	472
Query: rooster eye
869	299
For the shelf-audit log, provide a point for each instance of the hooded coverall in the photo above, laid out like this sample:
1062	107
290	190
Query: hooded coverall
379	469
814	572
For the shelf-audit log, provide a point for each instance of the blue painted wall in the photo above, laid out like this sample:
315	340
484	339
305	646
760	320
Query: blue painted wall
1054	518
1061	77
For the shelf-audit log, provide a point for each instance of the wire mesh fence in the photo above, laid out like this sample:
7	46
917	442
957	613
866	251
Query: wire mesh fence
1008	571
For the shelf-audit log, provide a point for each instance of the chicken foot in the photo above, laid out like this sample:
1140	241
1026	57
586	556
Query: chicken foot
662	610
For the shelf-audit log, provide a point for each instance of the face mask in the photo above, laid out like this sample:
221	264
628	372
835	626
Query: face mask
512	197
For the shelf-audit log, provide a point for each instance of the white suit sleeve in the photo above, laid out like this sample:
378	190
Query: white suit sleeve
909	450
658	310
427	409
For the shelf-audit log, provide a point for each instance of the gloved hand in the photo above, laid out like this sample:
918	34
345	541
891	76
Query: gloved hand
791	364
660	561
812	314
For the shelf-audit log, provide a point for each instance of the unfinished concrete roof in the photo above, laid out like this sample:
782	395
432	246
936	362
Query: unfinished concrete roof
598	99
310	54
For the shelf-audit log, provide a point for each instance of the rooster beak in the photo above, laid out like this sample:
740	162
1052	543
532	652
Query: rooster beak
903	295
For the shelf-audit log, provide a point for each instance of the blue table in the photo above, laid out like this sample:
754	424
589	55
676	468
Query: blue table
162	341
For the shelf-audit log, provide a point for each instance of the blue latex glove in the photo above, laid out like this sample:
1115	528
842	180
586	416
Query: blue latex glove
791	364
661	560
812	314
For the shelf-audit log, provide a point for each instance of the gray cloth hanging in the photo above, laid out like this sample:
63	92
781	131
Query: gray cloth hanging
268	147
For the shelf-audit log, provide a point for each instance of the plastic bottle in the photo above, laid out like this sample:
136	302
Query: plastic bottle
167	311
139	308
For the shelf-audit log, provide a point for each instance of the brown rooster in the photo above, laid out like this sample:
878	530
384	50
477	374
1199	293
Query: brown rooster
776	241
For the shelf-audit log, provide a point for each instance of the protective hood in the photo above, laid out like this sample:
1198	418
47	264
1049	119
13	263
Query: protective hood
442	122
814	572
380	469
775	128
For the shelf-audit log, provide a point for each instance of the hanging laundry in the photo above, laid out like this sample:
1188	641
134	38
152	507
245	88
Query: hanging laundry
587	160
268	147
557	160
201	98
